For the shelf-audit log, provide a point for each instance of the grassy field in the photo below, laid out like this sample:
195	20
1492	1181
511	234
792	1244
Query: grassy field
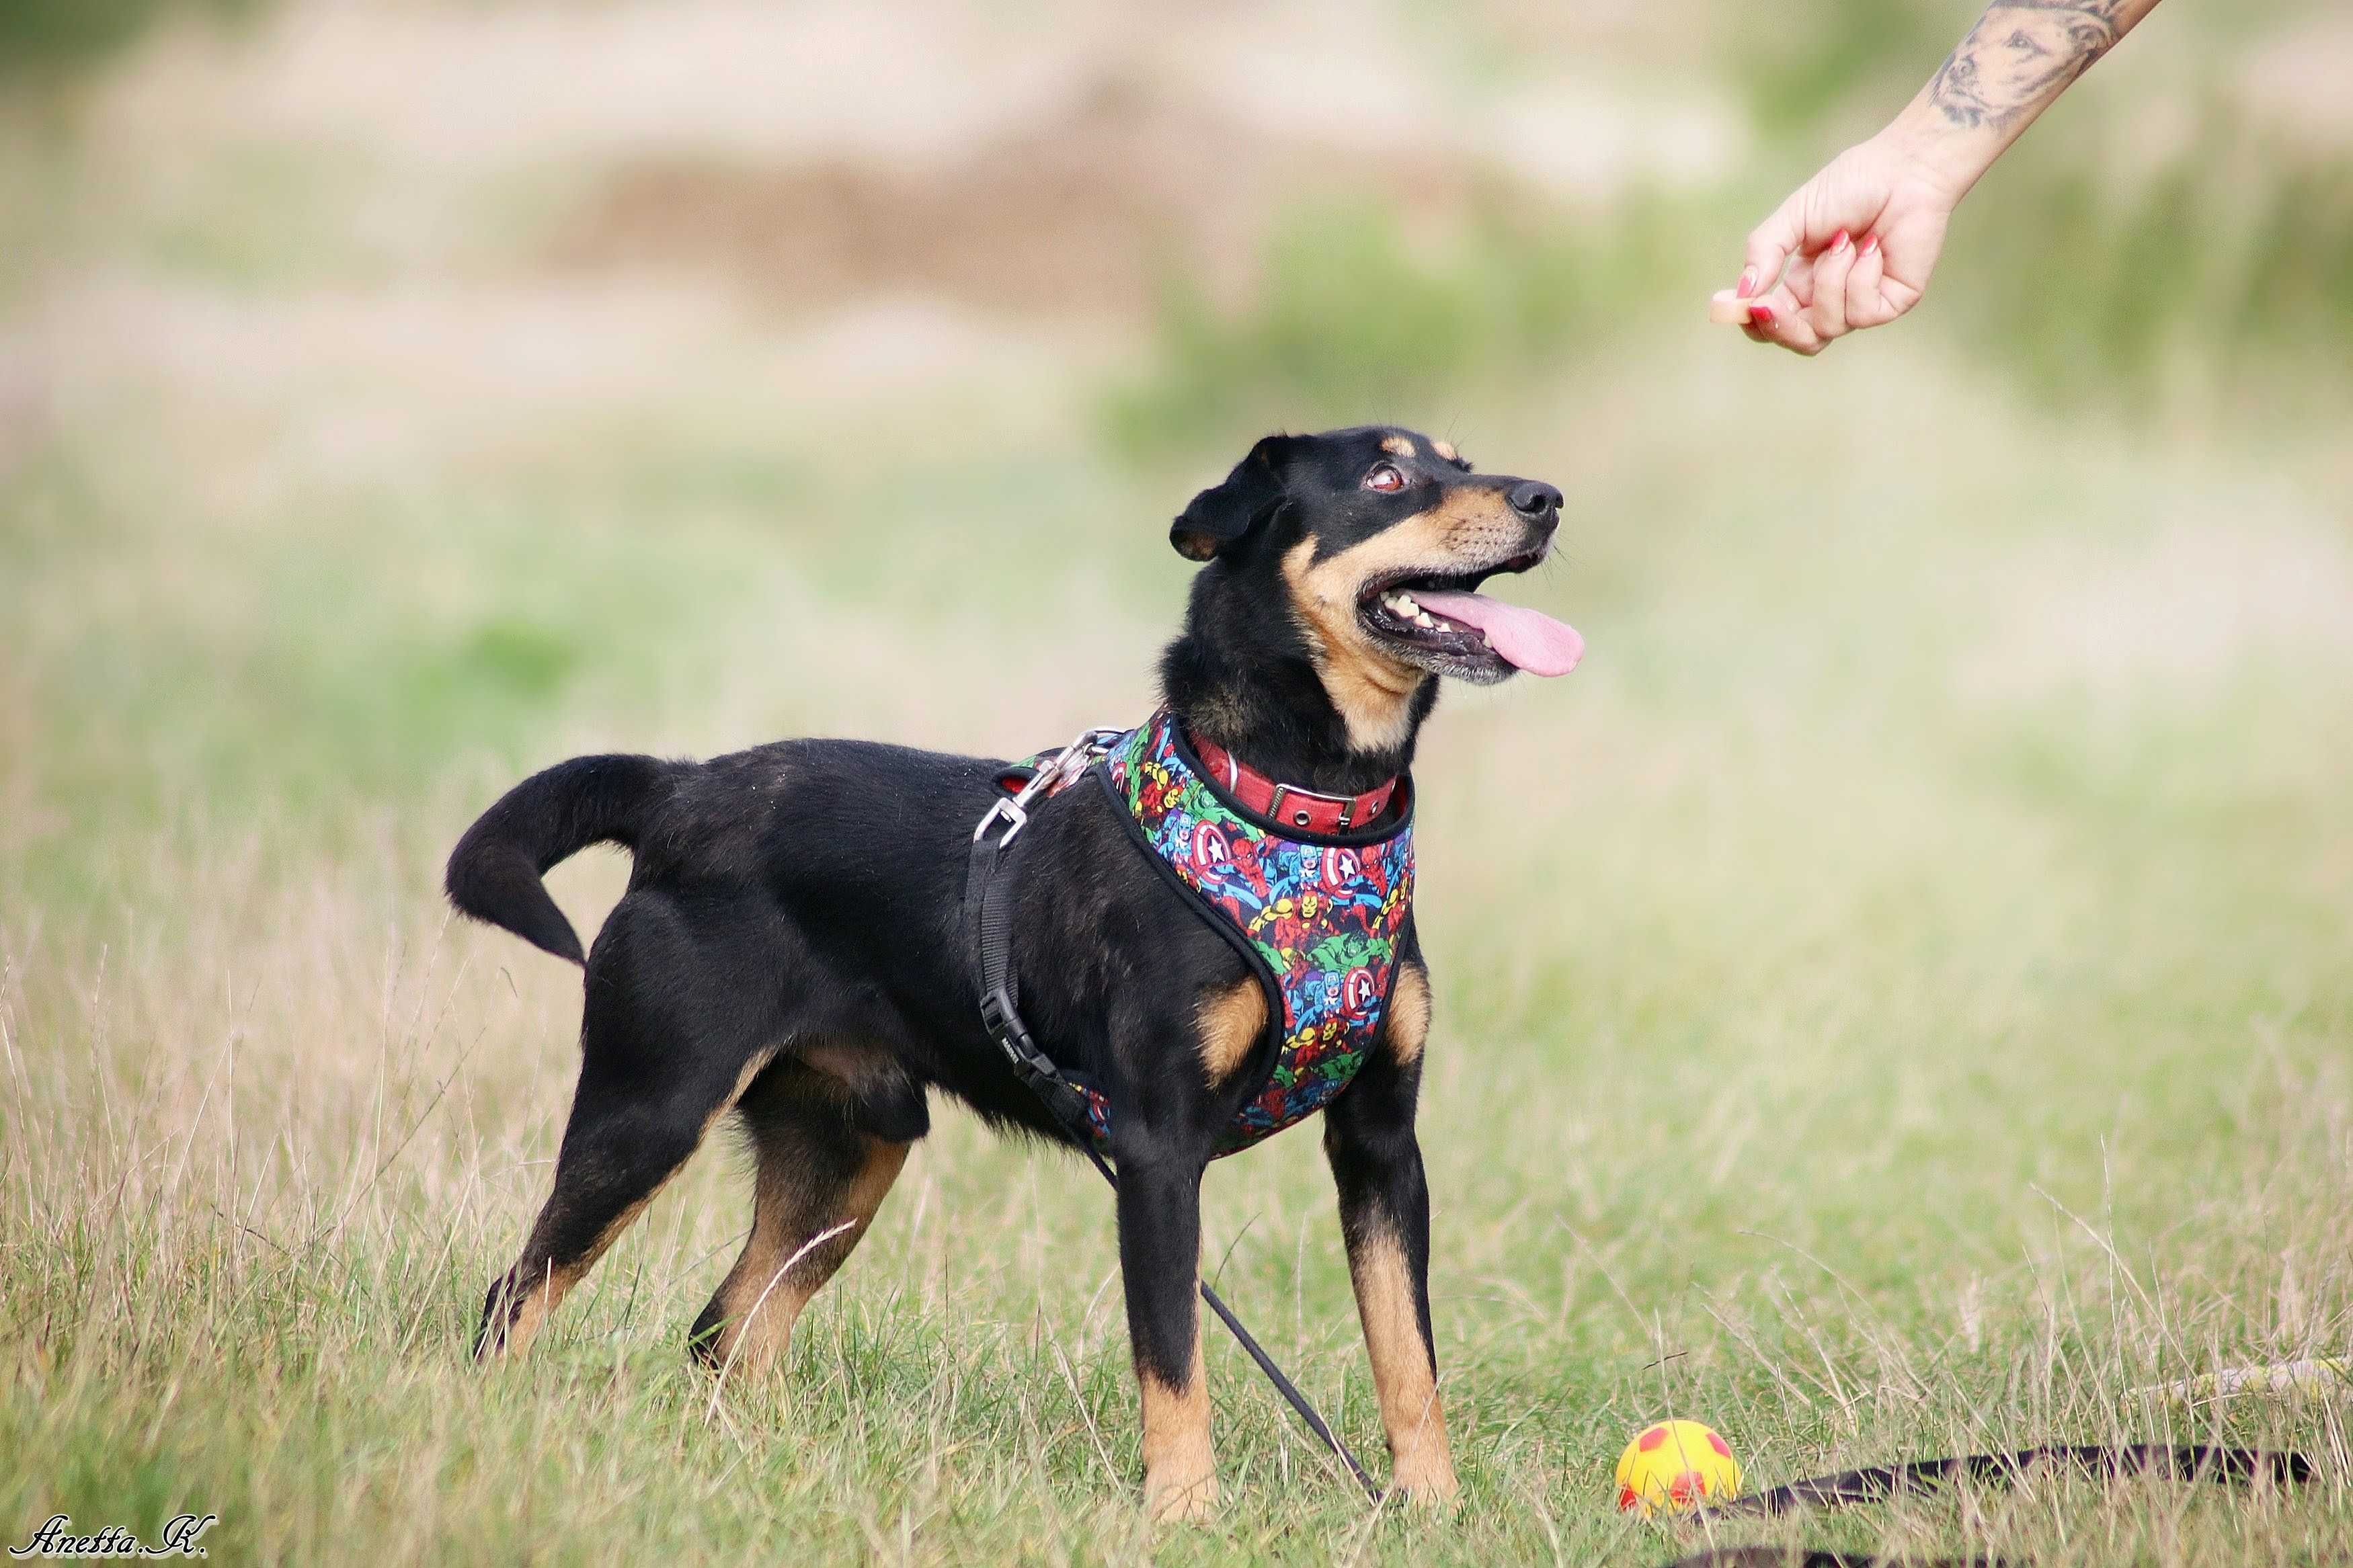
1906	1009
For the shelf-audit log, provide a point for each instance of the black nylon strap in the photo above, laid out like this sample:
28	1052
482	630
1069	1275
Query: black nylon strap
2185	1462
988	923
2189	1462
988	931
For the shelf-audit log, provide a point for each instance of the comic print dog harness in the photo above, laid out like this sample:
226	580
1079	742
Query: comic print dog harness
1320	917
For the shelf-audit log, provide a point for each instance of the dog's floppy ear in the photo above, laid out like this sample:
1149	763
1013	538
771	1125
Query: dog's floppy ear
1223	515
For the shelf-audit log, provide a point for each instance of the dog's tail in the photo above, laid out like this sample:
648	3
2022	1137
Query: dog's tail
495	872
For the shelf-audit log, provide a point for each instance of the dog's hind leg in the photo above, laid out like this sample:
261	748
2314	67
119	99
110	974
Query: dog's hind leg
823	1167
668	1043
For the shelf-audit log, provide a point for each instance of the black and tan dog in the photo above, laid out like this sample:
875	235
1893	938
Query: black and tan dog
790	947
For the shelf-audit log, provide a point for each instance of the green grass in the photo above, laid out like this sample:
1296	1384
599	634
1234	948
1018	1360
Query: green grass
1909	1016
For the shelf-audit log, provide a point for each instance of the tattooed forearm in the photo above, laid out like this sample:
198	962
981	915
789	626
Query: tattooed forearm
2020	56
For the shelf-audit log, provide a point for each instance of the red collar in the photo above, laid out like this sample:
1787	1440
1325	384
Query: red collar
1288	803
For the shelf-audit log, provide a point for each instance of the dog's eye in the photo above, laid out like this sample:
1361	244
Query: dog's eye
1385	478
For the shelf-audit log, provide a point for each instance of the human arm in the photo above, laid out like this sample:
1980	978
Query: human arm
1860	239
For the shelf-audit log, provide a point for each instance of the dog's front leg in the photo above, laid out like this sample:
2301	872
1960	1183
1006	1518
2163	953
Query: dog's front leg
1159	1262
1375	1159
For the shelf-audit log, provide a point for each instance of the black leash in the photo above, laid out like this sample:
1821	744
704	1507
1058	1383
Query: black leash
1876	1483
988	925
2188	1462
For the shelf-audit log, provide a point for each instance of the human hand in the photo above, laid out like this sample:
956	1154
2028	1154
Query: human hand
1859	241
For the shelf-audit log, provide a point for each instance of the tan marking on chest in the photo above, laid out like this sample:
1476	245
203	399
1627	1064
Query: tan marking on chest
1231	1022
1408	1016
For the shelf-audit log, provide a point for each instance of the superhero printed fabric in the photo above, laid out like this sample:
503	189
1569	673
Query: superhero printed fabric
1326	917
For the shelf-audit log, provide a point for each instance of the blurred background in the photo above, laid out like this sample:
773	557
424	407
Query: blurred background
386	383
397	396
382	385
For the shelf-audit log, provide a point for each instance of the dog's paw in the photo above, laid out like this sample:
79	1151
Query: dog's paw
1426	1482
1174	1499
511	1318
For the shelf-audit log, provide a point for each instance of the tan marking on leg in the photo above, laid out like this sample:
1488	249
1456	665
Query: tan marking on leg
1446	450
1421	1461
1180	1470
855	1065
545	1291
1408	1017
744	1076
1398	446
761	1298
854	1070
529	1314
1229	1023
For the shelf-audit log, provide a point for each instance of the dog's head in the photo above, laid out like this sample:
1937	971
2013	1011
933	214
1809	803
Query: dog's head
1375	542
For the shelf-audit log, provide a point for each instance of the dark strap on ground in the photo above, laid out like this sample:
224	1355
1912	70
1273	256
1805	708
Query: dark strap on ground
1802	1557
988	927
2196	1462
1876	1483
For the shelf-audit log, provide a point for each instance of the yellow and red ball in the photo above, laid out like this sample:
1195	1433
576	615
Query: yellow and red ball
1677	1465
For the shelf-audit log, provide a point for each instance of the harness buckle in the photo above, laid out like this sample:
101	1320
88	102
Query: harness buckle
1008	807
999	1017
1067	764
1031	1066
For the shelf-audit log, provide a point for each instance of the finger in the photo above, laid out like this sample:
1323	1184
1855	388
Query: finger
1827	314
1769	244
1866	306
1787	301
1909	243
1790	294
1788	329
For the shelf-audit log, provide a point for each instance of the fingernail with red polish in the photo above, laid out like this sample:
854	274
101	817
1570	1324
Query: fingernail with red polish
1869	243
1839	241
1761	314
1747	284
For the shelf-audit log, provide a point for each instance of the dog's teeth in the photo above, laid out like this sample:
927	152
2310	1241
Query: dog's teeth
1403	606
1423	617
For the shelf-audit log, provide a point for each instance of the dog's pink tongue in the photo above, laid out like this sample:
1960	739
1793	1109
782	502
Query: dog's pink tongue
1527	639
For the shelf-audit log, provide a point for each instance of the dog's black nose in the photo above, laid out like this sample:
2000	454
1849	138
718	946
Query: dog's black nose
1533	497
